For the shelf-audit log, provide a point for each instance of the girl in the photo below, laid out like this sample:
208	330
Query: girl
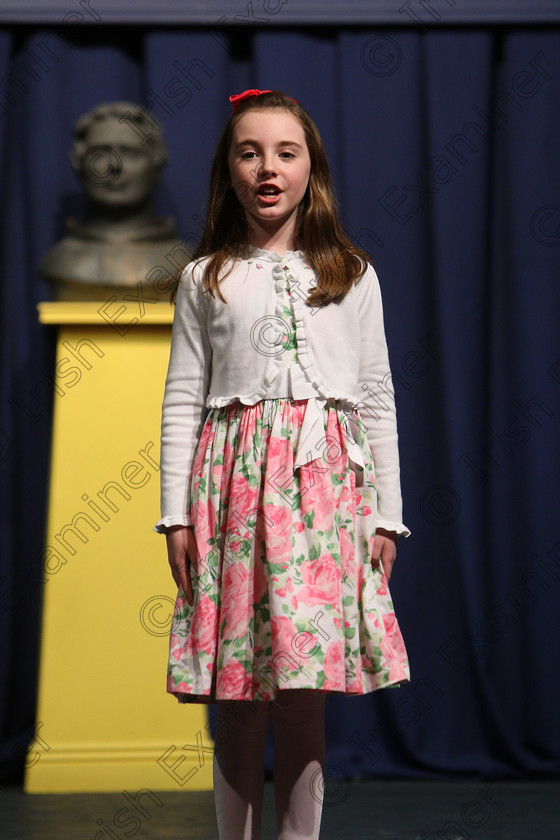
280	472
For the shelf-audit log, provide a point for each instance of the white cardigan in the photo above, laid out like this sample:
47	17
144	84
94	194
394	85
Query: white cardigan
221	352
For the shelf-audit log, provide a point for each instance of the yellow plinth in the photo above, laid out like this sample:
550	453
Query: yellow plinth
105	721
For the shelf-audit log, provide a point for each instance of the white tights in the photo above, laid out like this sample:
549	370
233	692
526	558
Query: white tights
299	760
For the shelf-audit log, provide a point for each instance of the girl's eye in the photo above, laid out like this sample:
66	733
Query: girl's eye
249	155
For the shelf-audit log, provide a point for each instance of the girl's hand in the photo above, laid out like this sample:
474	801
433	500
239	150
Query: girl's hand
181	553
385	548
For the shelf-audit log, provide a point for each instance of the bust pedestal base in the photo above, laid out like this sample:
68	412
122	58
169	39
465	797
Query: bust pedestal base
104	720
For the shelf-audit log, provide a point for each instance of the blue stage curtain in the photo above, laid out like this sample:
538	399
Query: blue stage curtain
444	149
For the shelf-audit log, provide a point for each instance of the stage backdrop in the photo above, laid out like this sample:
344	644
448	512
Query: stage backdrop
444	149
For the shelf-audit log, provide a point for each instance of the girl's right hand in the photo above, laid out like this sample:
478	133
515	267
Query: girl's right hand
181	553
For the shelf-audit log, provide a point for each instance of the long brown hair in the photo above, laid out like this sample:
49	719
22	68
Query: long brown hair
337	262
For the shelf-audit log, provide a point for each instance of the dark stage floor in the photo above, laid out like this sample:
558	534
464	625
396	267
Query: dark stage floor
354	811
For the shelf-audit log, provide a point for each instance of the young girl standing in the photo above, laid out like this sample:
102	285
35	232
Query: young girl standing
280	471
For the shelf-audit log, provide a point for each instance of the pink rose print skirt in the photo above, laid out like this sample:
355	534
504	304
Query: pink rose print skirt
285	595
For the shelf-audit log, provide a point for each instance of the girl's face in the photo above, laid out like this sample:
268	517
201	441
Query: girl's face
269	167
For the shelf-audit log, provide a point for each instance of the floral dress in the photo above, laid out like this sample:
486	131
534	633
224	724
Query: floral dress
285	595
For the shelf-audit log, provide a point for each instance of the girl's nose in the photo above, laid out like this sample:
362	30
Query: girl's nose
267	167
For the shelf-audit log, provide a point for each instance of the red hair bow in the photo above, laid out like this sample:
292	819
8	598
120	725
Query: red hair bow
236	98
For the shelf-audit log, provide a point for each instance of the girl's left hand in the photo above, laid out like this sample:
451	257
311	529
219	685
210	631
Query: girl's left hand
384	548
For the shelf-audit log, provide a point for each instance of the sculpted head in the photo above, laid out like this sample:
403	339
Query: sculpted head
118	154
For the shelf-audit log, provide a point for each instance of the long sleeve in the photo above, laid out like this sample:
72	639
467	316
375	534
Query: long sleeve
377	406
184	401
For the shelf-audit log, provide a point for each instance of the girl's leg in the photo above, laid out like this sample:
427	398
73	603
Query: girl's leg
238	767
298	717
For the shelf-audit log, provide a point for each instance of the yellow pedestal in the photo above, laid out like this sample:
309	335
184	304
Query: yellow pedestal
105	721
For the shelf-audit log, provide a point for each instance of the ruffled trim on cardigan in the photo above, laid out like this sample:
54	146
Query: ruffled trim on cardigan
398	527
274	256
251	399
166	522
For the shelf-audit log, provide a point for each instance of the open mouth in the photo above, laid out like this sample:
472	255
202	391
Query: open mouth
267	191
